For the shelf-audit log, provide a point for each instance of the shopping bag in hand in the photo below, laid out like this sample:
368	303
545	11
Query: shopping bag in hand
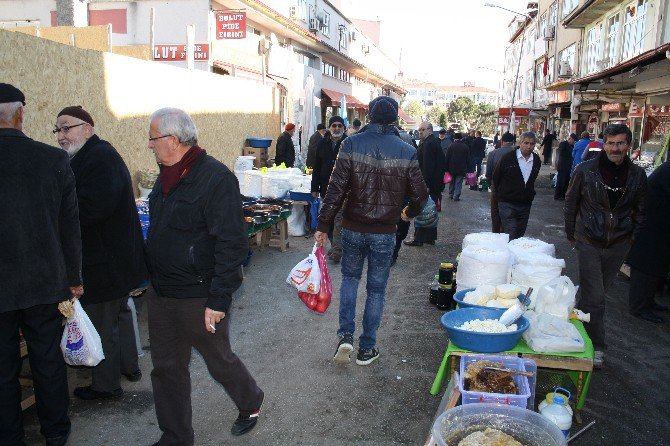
319	302
305	276
81	342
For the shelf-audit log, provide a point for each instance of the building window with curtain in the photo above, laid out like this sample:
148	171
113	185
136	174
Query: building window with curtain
568	7
568	55
612	41
553	15
329	70
550	70
543	25
634	28
344	76
593	48
539	75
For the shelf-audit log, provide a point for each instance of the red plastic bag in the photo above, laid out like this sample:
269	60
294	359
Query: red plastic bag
319	302
447	178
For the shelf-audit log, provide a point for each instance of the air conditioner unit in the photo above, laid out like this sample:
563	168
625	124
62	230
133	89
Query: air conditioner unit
354	36
550	33
313	25
293	12
564	70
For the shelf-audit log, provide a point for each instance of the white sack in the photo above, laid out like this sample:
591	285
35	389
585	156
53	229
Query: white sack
556	297
274	186
490	239
296	221
525	245
550	334
253	183
482	265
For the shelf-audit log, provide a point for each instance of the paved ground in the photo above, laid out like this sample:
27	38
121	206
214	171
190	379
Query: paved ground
310	401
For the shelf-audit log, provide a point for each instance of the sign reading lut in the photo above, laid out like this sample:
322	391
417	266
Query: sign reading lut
174	53
231	25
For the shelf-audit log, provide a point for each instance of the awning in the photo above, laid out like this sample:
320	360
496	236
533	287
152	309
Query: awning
336	96
559	86
405	117
504	111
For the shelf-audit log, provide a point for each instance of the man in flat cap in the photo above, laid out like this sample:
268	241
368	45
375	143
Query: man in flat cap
374	171
40	254
113	262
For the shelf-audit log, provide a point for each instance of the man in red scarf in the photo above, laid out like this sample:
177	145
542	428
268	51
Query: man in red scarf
196	244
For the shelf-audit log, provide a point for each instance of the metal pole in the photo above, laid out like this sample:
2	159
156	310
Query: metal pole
152	21
190	46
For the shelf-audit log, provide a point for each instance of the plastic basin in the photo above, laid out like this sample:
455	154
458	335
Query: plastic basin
527	427
460	295
481	342
259	142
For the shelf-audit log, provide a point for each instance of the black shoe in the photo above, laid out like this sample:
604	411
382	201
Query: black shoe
57	441
413	243
431	242
367	357
133	377
244	424
649	316
156	444
344	348
451	197
457	199
86	393
559	199
659	307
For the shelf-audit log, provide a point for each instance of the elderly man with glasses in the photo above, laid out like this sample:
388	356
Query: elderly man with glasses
604	213
196	245
112	246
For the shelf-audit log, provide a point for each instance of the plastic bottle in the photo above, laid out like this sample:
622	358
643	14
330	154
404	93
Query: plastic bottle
556	408
434	290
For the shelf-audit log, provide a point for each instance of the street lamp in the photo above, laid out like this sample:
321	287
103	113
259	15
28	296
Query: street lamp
518	64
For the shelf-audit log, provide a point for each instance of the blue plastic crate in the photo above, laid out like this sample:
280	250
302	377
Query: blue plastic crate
259	142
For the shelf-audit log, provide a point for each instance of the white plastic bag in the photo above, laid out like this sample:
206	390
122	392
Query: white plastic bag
296	221
534	270
524	245
482	265
490	239
306	275
81	343
550	334
556	297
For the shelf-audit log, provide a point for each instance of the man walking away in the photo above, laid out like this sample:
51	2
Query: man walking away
478	152
456	164
547	146
446	139
113	248
563	166
375	170
326	154
579	148
649	257
514	185
507	146
604	212
313	144
40	254
285	152
355	127
196	245
431	162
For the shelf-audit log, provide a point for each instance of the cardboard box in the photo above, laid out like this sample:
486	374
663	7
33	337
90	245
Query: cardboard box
261	154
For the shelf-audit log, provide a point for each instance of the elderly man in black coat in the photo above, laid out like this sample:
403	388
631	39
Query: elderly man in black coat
40	254
456	163
113	262
649	256
431	162
285	151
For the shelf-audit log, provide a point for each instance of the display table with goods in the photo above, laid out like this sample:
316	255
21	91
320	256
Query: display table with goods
266	220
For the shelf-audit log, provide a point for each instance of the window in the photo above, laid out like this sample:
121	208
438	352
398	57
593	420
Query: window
519	88
568	7
528	85
553	15
302	10
344	75
550	71
307	59
568	56
633	28
329	70
531	36
543	25
539	75
593	48
325	24
343	36
612	42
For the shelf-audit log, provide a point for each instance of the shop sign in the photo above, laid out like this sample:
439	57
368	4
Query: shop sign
231	25
504	120
635	111
175	53
658	110
612	107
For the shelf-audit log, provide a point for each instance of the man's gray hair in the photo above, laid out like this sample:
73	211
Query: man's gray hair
429	125
8	110
174	121
528	135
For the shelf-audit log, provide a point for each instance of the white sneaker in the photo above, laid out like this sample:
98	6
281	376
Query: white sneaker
344	349
598	359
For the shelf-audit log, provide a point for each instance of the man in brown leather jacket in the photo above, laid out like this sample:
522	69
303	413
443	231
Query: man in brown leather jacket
604	210
374	171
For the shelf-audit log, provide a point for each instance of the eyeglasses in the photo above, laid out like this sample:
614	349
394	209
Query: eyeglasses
616	143
336	125
159	137
66	128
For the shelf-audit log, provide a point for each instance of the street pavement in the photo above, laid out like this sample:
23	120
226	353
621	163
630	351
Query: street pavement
311	401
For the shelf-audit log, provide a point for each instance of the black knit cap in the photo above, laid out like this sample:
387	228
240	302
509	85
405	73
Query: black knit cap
335	119
9	93
76	111
383	110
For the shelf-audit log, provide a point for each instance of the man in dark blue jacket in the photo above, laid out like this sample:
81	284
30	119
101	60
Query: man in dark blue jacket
40	254
196	245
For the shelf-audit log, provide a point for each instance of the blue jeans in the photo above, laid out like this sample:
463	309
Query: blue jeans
455	187
378	249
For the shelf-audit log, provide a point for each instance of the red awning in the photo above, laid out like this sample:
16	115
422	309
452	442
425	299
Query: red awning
517	111
405	117
336	96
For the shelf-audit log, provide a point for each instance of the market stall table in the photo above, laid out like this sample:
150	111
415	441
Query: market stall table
273	233
578	365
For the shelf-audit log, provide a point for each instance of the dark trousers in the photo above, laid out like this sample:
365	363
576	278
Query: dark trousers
176	326
455	187
562	183
547	154
402	229
496	224
436	196
478	166
597	269
42	329
114	322
643	287
514	218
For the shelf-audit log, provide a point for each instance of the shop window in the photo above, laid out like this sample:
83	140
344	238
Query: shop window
593	49
634	28
115	17
568	7
612	41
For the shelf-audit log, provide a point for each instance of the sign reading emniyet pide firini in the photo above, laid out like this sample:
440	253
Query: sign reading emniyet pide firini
231	25
177	52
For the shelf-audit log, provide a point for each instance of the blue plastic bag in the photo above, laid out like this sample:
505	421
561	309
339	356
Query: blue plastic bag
314	212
